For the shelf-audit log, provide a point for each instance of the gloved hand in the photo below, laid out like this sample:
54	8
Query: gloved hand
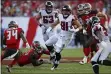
27	45
84	32
48	30
72	29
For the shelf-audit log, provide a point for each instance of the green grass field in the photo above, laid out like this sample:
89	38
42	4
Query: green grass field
63	68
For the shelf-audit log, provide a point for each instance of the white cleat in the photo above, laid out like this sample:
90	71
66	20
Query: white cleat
8	69
84	61
52	68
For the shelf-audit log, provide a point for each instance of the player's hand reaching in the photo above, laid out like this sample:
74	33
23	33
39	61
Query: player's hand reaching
27	45
72	29
84	32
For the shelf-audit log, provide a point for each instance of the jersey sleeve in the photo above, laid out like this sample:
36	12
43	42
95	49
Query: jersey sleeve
20	30
94	31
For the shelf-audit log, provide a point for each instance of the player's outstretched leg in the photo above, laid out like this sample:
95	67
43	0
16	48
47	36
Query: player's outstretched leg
57	60
95	66
52	52
105	62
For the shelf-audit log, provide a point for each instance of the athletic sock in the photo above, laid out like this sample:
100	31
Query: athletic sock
86	51
95	67
12	63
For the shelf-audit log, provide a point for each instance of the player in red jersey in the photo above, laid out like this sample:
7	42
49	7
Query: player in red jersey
89	44
11	39
32	56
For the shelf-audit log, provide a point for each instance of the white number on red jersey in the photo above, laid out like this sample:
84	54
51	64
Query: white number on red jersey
12	33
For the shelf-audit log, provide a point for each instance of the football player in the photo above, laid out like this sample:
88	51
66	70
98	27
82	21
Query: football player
99	32
11	39
88	39
32	56
67	22
46	17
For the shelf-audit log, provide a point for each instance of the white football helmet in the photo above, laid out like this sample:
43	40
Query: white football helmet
80	9
87	8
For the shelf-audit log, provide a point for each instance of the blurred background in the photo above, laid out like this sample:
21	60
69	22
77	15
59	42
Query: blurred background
29	8
22	11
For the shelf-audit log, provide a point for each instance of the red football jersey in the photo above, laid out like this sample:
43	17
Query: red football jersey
85	19
12	37
24	58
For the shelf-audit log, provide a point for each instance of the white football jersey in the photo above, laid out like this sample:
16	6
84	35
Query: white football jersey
100	33
47	19
65	24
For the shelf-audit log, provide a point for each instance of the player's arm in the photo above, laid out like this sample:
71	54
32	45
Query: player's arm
55	23
24	39
53	26
102	15
38	16
94	30
76	24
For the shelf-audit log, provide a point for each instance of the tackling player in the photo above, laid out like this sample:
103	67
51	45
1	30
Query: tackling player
11	39
67	23
99	32
46	17
32	56
88	39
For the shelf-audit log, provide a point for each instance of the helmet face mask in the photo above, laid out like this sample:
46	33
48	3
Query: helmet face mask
87	8
80	9
49	6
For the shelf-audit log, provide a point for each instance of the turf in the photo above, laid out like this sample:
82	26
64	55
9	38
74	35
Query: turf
64	68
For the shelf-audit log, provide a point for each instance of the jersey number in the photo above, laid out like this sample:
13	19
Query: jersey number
12	33
48	19
64	26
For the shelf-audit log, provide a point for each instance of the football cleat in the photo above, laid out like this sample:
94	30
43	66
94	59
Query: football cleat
8	69
84	61
54	66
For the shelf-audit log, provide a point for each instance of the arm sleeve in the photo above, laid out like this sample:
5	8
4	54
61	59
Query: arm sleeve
94	30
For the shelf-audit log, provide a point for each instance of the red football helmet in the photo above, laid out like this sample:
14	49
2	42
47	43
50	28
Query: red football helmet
36	46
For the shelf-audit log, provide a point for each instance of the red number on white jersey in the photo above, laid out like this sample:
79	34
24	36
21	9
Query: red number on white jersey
48	19
64	26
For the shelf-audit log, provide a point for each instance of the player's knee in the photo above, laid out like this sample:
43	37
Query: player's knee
50	48
100	62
